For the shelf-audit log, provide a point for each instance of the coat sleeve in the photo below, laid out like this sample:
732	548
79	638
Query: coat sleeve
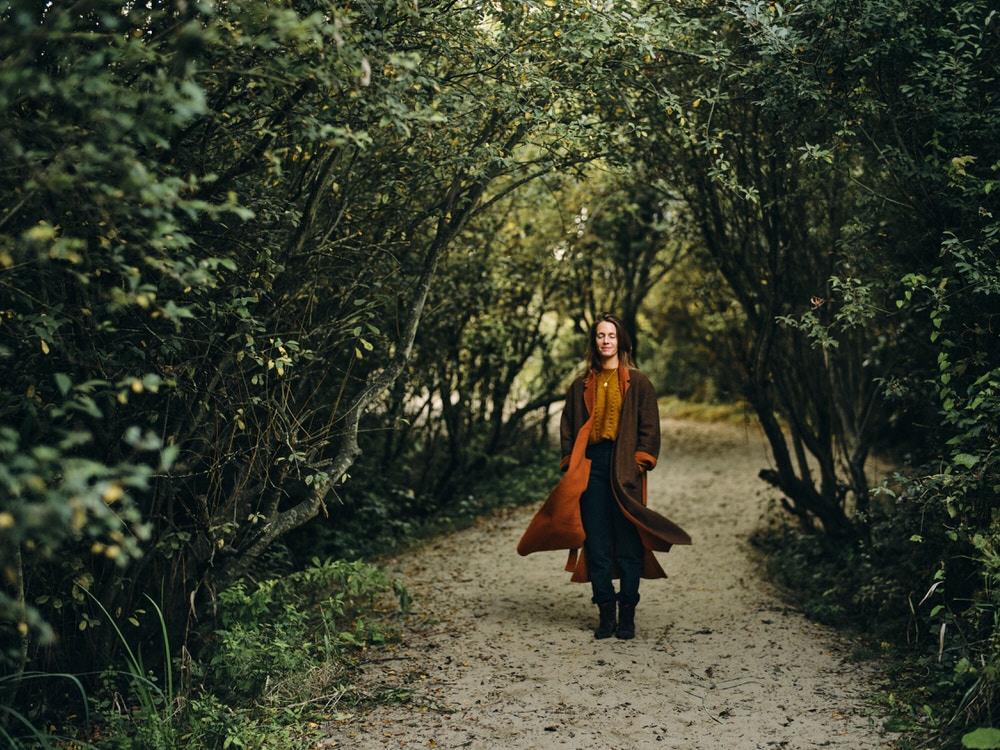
647	448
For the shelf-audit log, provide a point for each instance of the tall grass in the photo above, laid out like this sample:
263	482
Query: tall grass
30	733
154	725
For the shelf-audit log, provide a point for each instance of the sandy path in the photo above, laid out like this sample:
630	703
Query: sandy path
718	663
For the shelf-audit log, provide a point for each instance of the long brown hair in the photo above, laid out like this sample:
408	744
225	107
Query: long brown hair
624	343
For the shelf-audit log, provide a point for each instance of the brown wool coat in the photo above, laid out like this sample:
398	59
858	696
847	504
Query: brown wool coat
557	524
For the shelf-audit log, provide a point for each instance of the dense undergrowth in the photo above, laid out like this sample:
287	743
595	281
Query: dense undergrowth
932	642
276	661
379	517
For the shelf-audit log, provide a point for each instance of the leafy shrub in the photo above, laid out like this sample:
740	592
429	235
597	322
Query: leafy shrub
381	517
910	590
281	651
273	640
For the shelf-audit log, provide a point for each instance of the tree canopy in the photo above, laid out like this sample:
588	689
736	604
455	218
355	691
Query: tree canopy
268	267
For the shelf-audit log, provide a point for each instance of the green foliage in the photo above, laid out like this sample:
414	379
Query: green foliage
271	640
987	738
866	584
894	106
221	223
629	232
218	226
280	655
376	521
17	729
698	326
211	723
153	724
724	110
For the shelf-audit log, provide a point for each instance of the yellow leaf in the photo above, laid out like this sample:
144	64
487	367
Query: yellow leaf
45	346
43	231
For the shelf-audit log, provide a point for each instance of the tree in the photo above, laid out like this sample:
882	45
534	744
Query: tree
630	235
726	127
220	227
904	114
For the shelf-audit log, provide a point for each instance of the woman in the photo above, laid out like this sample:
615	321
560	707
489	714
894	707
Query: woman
610	436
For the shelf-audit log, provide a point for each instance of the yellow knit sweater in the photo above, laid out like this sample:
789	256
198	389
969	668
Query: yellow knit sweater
607	407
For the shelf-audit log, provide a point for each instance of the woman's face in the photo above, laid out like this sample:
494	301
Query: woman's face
606	339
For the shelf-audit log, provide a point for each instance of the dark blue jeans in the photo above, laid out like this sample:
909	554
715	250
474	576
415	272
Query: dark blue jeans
612	540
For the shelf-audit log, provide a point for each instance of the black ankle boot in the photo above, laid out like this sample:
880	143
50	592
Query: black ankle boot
626	621
606	628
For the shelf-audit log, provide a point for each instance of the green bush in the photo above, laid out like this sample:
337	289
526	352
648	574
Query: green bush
909	590
378	517
281	652
277	639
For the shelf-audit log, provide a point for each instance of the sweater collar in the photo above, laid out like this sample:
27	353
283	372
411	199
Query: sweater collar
590	386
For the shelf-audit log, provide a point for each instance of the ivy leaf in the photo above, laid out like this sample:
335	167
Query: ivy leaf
966	459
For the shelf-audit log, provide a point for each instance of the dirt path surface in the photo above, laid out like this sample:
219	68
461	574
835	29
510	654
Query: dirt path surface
719	662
